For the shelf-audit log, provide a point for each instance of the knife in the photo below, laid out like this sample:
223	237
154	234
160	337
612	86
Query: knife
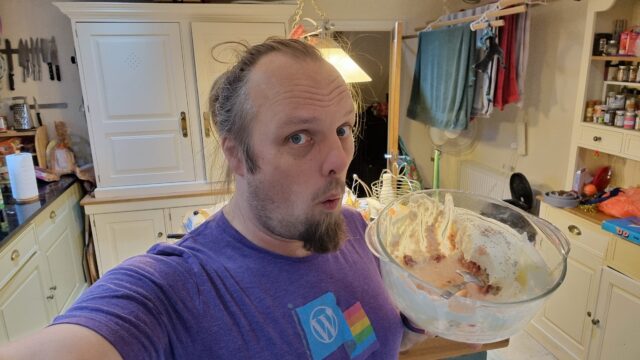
46	55
7	47
54	57
22	61
37	109
30	59
38	63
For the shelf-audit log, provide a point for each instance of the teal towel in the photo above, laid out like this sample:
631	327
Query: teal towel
443	82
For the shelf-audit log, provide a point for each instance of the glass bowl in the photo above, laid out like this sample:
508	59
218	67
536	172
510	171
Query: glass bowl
422	238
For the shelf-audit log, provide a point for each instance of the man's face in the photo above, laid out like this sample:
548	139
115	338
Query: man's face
302	140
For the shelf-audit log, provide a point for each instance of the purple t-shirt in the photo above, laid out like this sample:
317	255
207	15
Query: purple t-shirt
216	295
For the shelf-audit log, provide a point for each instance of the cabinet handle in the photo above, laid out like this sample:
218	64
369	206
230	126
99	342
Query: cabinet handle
575	230
595	321
207	123
589	313
15	255
160	234
50	297
53	288
52	215
183	124
597	138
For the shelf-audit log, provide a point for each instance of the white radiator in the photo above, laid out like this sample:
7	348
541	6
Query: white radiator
480	179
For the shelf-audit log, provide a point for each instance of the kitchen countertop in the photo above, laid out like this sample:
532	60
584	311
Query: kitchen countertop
16	216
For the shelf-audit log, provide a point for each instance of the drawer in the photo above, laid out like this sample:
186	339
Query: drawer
624	256
53	220
600	139
577	229
631	146
17	254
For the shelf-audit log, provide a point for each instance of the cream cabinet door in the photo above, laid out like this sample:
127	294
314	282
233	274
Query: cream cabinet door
135	89
617	319
564	324
24	303
214	55
126	234
65	263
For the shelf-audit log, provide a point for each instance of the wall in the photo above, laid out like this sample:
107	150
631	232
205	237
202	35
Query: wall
39	18
555	45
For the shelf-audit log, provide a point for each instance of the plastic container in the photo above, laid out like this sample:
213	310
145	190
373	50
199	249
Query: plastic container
466	319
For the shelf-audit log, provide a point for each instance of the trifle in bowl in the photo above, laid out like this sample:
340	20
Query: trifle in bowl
425	240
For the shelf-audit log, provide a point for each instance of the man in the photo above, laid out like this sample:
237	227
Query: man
281	272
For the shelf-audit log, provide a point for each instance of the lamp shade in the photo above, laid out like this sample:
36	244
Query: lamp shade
336	56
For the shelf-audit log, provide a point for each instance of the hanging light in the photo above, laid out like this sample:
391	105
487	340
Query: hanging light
331	51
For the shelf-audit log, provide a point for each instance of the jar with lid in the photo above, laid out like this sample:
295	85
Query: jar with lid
630	104
618	102
623	73
633	73
629	120
619	120
612	48
611	97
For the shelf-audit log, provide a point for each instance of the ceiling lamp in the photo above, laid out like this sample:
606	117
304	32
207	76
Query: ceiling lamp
320	37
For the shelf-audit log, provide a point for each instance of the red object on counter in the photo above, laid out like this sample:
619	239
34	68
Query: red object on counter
601	178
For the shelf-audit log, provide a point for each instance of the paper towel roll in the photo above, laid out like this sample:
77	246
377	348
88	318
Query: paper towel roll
22	176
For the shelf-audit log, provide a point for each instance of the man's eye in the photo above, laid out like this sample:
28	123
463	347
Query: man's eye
298	139
344	130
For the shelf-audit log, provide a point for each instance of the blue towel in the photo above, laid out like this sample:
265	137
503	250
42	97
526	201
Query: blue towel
443	82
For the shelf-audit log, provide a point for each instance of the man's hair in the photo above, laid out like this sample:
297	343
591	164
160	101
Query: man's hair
229	99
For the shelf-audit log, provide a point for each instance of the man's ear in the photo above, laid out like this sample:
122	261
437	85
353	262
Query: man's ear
234	156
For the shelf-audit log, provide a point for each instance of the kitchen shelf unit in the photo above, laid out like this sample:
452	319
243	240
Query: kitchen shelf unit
595	312
38	137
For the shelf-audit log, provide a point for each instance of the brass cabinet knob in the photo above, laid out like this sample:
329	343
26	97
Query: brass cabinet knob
595	321
574	230
53	288
589	313
52	215
160	234
50	297
15	255
597	138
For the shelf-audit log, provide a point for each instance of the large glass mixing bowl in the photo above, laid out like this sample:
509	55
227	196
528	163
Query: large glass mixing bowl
472	319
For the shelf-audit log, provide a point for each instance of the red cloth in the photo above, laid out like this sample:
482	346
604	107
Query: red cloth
507	84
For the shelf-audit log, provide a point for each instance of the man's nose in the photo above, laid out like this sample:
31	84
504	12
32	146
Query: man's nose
337	158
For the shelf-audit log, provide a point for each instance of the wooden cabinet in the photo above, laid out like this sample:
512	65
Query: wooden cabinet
564	324
146	70
41	268
617	318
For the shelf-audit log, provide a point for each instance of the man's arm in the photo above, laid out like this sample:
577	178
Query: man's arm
63	341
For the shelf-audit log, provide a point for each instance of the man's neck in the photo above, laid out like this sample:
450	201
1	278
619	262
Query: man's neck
243	220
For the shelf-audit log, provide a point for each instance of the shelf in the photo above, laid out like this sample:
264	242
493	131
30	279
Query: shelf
13	133
616	58
622	83
631	132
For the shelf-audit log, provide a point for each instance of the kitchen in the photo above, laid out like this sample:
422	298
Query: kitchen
548	112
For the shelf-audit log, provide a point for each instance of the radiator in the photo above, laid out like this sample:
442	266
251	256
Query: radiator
480	179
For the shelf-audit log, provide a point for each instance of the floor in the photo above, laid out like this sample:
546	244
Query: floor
521	347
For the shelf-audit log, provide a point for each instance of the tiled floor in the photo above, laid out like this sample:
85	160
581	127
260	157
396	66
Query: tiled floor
521	347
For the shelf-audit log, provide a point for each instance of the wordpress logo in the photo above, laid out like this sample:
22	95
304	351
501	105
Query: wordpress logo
324	324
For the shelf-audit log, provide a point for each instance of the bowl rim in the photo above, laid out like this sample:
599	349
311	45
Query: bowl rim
540	224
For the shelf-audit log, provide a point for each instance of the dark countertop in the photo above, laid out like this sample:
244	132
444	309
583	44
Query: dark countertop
16	216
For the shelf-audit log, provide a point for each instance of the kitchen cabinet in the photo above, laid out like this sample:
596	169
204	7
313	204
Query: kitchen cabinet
564	324
146	70
123	228
617	318
41	267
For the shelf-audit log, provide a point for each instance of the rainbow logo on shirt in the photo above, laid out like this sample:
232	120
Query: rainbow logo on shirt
362	331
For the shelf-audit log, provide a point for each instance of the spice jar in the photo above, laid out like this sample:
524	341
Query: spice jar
619	120
630	104
633	73
623	73
612	48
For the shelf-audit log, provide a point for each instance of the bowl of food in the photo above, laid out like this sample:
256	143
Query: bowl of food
429	242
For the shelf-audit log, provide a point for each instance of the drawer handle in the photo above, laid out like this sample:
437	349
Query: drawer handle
160	234
207	123
575	230
597	138
53	288
52	215
595	321
50	297
183	124
15	255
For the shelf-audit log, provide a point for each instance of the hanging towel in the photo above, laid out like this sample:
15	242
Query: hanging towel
443	81
507	86
524	26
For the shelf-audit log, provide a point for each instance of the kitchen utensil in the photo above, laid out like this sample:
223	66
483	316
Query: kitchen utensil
21	114
7	47
22	58
46	55
54	58
542	265
562	199
467	278
30	58
37	110
521	194
35	58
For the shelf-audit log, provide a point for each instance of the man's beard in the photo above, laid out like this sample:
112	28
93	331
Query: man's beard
319	235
